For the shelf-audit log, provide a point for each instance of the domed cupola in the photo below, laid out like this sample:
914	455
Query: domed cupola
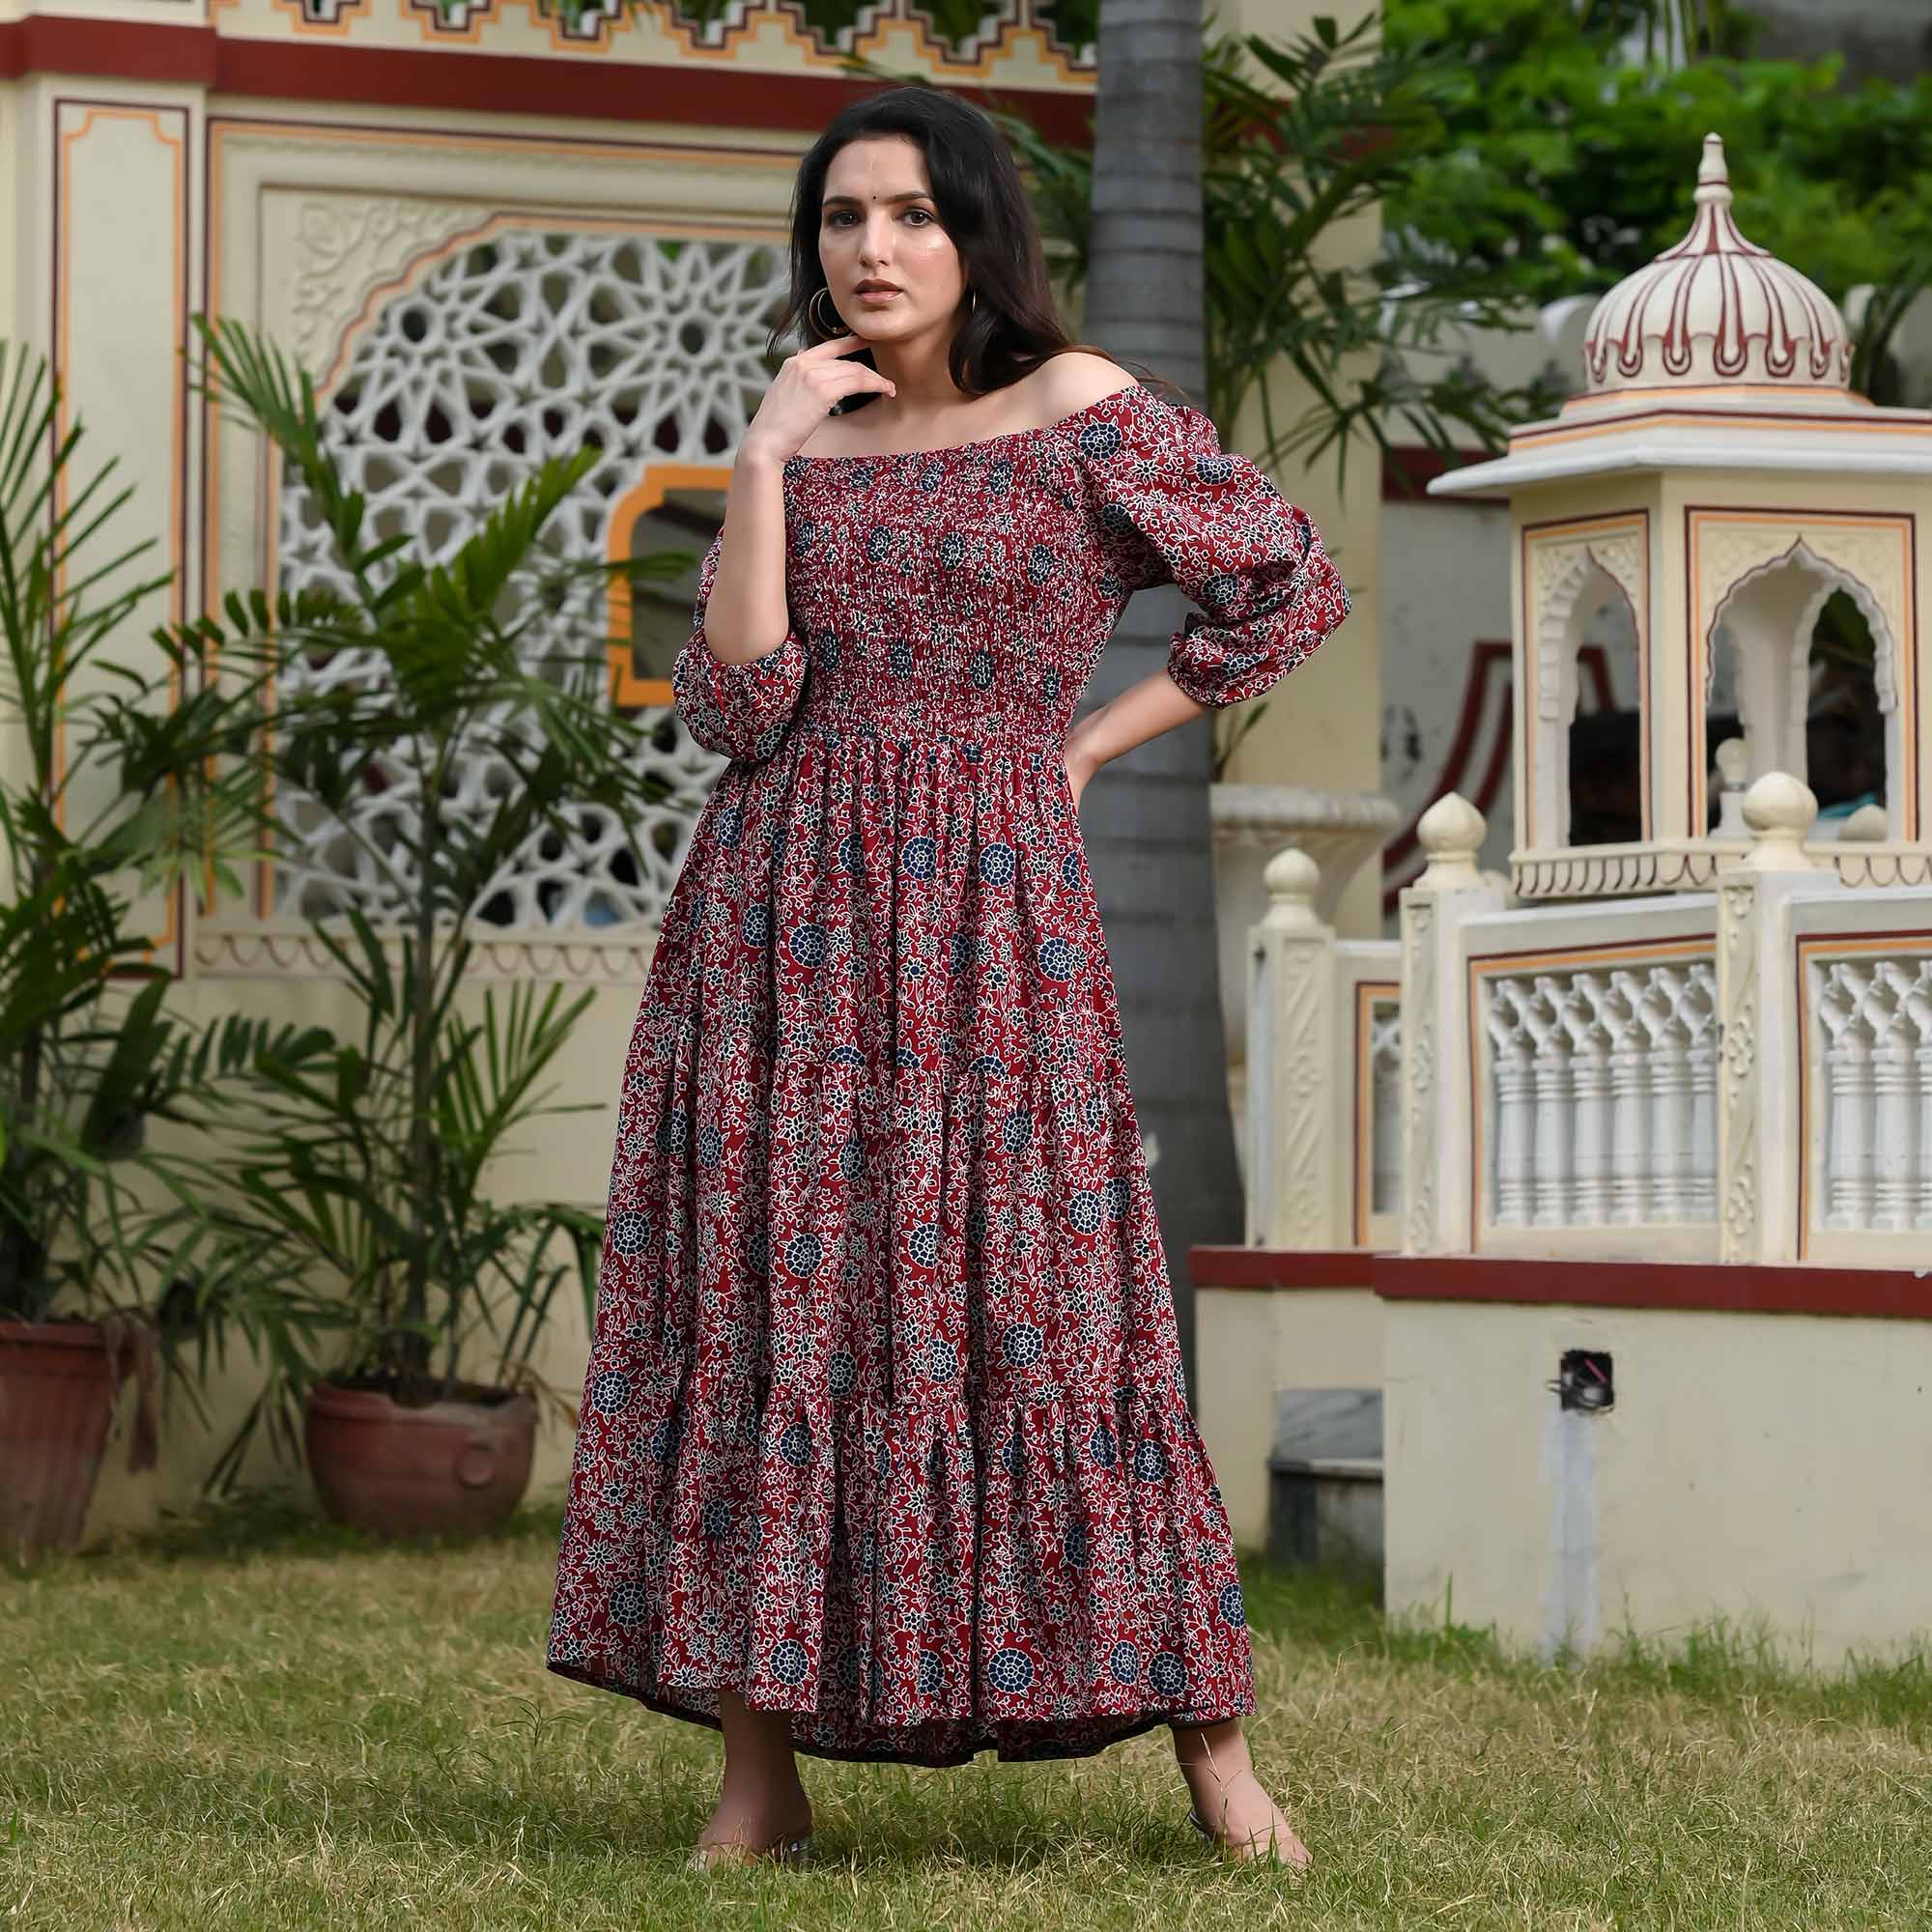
1717	309
1717	480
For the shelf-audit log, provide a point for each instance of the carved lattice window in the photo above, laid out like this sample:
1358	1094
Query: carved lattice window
515	348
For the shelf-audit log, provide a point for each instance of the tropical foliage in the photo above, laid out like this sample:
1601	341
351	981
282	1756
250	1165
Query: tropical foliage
369	1166
114	789
1561	157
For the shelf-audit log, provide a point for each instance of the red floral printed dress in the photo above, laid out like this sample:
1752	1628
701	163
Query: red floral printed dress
884	1423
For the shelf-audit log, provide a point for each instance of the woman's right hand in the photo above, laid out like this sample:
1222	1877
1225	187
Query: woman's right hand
802	395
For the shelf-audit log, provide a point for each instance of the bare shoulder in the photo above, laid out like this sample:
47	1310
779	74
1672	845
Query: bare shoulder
1077	378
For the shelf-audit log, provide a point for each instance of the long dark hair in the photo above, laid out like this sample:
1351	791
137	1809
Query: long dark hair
1014	326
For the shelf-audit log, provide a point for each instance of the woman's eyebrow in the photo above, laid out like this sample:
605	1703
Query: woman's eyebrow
853	201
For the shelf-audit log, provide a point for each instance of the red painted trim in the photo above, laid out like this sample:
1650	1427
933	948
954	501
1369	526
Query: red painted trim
434	78
1539	1282
109	50
1742	1289
1212	1266
1421	464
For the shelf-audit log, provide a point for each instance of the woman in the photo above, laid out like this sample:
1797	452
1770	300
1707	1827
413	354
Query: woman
885	1450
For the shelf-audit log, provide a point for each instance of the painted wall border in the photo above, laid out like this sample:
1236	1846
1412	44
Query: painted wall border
156	115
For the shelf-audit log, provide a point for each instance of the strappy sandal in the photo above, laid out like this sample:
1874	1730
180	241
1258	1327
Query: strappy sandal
1274	1853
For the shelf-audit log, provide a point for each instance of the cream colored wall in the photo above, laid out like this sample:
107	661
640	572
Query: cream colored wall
1753	1467
14	166
1251	1342
305	223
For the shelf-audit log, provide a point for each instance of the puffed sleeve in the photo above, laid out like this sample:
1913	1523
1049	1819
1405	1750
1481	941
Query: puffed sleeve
738	709
1173	507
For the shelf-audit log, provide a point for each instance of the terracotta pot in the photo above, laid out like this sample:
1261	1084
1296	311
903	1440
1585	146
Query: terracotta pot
57	1391
453	1468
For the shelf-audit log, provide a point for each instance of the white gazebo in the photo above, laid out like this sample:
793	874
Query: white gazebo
1719	478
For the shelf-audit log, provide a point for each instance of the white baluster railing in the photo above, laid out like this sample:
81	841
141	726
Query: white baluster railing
1602	1080
1877	1017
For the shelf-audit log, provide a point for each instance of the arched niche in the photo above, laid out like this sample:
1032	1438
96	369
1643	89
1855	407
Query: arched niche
1588	644
1770	616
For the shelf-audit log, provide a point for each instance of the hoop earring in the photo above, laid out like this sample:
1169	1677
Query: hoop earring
973	300
836	325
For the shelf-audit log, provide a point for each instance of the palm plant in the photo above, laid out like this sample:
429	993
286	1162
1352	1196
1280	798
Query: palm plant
115	787
371	1161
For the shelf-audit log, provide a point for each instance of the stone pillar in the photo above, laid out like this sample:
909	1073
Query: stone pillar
1758	1123
1435	1121
1294	1192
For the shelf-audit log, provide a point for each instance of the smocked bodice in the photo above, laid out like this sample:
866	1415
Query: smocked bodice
948	593
963	595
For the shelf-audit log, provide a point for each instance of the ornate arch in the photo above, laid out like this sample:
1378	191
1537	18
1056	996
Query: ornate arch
1563	567
501	348
1830	576
1867	554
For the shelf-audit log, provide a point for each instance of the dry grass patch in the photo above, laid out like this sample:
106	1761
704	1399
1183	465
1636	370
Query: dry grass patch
260	1723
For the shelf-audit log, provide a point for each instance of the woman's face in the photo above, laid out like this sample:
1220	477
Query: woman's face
878	229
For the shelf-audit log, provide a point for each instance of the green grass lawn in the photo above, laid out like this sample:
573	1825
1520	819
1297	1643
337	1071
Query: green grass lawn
263	1723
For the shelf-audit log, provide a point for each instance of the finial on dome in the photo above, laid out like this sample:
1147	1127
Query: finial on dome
1694	319
1713	178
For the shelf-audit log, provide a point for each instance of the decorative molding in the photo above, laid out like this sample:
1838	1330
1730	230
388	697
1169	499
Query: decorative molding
266	949
1614	871
1881	865
347	247
1562	568
1419	1077
675	74
1558	560
1738	1155
1302	1186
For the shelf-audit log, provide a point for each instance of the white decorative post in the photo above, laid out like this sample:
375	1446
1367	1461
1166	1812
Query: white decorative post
1661	1015
1295	1194
1757	1109
1437	1156
1590	1079
1700	1016
1556	1101
1630	1102
1895	1090
1918	1004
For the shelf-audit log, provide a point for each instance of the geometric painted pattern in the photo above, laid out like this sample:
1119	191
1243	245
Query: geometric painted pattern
521	346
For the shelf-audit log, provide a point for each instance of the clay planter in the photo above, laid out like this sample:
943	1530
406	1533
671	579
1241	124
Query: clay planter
57	1391
454	1468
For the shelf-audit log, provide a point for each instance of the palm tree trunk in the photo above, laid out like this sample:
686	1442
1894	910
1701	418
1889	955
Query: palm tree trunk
1147	830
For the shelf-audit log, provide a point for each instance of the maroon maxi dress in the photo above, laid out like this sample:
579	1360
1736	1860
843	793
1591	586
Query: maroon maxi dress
884	1423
